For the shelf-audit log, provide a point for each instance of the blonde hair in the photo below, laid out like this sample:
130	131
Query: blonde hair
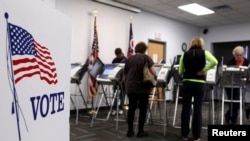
197	42
238	50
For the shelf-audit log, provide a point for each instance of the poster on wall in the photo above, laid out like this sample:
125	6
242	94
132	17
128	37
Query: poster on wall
35	61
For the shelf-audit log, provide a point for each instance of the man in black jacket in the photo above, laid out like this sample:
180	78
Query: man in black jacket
120	58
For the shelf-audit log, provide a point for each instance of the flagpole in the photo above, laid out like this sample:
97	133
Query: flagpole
92	111
131	19
12	79
131	40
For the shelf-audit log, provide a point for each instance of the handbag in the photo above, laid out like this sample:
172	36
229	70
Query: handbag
148	76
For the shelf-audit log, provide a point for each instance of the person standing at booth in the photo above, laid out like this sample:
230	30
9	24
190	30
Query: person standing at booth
238	59
193	68
136	89
120	58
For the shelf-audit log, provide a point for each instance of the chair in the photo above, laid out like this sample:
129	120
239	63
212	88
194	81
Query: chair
77	73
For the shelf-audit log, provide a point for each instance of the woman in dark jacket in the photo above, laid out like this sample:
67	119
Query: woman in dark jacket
137	90
193	67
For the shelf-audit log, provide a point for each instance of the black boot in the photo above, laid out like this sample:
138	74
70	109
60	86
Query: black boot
142	133
130	133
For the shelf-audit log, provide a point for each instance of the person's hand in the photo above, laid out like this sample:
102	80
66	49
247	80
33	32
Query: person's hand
201	73
155	77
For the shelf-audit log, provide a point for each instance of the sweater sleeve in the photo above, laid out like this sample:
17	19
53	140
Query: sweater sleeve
181	65
212	61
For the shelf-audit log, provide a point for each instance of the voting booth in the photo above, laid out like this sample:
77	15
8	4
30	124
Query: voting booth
212	79
108	76
233	77
159	94
78	71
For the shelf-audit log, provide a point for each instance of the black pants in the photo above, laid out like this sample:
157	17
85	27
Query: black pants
141	101
192	90
232	112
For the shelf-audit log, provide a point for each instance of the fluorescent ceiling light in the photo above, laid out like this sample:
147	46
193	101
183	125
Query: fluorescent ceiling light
196	9
119	5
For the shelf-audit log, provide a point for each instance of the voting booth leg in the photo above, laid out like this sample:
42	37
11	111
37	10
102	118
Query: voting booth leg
176	104
222	105
117	107
231	102
158	100
176	107
76	108
212	102
96	109
103	95
119	93
234	78
116	98
151	100
241	105
78	93
165	116
94	116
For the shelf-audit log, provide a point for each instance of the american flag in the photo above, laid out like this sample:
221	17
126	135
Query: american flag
131	42
92	88
30	58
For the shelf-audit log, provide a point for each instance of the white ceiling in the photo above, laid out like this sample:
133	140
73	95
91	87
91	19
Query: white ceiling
238	11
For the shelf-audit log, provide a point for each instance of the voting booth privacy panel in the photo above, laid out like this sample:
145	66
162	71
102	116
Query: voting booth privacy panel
34	72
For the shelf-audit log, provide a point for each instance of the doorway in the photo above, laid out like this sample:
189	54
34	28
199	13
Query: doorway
157	51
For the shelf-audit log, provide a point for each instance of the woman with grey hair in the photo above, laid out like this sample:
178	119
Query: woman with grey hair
238	59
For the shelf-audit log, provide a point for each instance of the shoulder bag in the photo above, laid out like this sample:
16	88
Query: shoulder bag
148	76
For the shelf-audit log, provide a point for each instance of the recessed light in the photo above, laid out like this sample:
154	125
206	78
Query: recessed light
196	9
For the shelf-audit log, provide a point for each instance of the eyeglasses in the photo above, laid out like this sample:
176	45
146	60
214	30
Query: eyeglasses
238	55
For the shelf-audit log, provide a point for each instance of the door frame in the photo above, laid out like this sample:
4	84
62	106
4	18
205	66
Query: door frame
160	42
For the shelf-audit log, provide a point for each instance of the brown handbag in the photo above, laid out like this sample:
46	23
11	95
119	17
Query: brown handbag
148	76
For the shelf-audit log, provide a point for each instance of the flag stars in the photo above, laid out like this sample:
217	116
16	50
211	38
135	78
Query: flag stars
25	48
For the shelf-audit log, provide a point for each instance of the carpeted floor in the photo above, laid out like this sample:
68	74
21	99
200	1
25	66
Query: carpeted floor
104	128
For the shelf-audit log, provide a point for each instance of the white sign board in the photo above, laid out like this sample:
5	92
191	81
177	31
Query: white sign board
34	72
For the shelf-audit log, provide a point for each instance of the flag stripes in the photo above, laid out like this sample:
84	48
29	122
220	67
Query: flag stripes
30	58
131	41
92	83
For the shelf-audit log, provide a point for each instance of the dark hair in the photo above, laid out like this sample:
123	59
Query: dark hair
118	51
140	47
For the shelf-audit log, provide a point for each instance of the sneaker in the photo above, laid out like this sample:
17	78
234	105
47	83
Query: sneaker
113	112
185	138
196	139
120	112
